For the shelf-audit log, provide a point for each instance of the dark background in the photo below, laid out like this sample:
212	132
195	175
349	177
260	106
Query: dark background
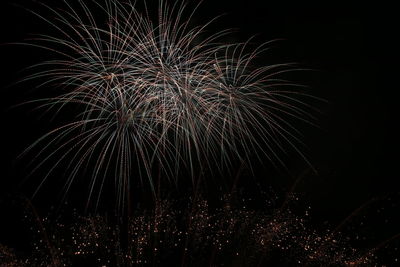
353	52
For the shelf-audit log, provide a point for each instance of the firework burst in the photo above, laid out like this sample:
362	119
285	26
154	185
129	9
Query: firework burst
157	96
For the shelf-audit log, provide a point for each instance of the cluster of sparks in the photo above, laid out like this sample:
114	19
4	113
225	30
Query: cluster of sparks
198	236
158	94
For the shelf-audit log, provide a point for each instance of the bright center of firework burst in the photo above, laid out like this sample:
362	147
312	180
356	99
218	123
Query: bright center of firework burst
110	77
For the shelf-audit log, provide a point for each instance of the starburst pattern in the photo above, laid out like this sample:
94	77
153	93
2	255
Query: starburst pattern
157	94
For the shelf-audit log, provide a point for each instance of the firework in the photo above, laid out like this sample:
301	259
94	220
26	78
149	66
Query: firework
157	97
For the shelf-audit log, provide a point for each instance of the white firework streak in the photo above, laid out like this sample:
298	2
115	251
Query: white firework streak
158	93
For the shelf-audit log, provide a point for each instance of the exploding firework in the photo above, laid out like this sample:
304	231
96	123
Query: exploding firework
157	97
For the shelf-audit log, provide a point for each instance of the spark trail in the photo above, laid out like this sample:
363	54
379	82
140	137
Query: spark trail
157	93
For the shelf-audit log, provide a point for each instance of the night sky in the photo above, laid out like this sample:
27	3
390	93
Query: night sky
352	52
